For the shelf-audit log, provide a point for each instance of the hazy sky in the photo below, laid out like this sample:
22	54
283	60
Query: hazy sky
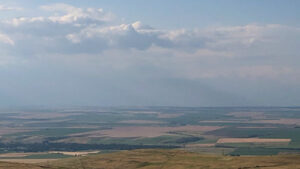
170	52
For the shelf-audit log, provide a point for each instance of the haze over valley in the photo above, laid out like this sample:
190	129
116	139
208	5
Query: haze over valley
171	84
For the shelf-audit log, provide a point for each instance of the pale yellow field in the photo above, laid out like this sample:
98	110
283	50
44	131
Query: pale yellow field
10	155
252	140
76	153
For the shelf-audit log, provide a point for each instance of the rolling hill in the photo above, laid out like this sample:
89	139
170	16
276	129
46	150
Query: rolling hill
163	159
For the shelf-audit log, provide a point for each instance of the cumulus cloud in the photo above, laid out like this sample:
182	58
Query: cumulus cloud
70	14
69	30
76	51
124	36
6	39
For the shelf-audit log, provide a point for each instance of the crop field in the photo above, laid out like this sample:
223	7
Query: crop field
252	140
209	130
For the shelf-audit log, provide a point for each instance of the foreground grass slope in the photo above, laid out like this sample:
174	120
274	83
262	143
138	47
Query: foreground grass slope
163	159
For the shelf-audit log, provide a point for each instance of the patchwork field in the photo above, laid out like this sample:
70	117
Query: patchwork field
223	131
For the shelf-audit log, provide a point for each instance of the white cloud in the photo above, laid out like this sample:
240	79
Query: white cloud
87	46
122	36
70	14
9	8
68	30
66	15
6	39
23	20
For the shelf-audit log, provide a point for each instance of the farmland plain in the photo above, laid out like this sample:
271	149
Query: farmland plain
48	133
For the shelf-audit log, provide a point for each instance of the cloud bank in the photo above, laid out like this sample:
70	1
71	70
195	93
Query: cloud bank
90	44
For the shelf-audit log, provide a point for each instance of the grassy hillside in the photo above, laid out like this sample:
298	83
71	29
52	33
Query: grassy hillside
163	159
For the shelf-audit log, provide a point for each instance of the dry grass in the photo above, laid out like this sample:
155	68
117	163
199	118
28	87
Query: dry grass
27	161
164	159
252	140
176	159
12	165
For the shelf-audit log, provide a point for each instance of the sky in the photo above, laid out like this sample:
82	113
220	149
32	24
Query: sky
149	53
